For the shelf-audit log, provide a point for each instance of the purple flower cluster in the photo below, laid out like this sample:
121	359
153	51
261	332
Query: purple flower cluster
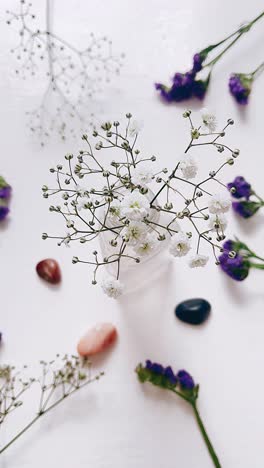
4	210
5	193
185	85
240	87
182	378
232	262
242	190
246	209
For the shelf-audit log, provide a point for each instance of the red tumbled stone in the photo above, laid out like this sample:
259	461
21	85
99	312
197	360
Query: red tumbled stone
49	270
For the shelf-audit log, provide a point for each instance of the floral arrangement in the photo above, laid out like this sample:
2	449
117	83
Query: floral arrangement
59	379
194	83
73	75
136	205
182	384
249	202
5	194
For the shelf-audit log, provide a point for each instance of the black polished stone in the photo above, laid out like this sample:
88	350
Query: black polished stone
193	311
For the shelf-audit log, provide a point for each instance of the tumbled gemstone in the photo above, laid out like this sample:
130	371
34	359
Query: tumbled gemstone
49	270
193	311
97	339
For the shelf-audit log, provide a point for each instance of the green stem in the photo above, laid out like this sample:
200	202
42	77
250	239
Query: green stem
205	437
259	266
217	58
19	434
259	69
239	33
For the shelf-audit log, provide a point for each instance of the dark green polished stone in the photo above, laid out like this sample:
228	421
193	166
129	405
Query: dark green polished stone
193	311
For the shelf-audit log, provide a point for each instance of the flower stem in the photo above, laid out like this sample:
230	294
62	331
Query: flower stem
19	434
205	437
217	58
259	266
44	411
259	69
239	33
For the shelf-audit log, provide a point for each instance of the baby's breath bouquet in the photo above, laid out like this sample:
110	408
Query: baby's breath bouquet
134	207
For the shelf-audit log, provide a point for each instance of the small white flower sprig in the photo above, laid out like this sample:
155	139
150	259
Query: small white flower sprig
59	379
121	199
73	75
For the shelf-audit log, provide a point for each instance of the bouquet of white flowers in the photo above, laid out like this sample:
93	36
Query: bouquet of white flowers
134	206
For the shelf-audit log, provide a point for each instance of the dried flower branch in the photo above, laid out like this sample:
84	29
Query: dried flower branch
119	202
57	382
73	76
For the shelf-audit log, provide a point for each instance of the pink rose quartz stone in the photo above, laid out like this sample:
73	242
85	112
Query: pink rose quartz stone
97	339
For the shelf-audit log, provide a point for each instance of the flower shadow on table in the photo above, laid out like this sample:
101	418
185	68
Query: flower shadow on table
79	409
249	226
166	398
241	293
4	225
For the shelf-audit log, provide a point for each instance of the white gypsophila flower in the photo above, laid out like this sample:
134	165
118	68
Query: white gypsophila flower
188	166
219	202
218	222
134	232
198	261
134	128
179	244
147	245
209	121
142	175
135	206
114	211
112	287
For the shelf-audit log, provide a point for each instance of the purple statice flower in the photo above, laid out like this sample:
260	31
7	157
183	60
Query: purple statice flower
5	189
229	245
155	367
168	372
180	90
246	209
185	380
158	369
236	267
5	192
198	62
4	210
185	85
240	87
241	186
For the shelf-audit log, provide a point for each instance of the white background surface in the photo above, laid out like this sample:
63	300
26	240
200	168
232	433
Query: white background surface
117	423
